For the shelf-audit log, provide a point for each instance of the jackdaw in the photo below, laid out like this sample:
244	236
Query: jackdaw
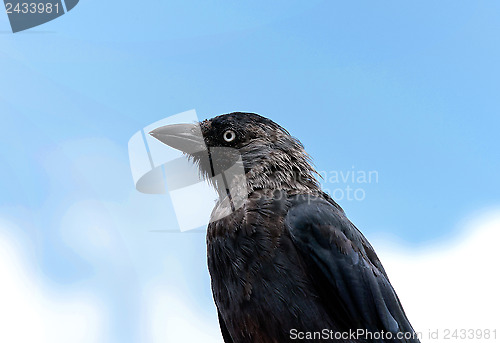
285	262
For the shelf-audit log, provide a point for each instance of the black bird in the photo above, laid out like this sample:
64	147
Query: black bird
285	264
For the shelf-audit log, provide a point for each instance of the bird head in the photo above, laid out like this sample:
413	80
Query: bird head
269	157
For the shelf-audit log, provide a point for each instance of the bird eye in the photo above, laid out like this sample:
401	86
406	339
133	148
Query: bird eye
229	136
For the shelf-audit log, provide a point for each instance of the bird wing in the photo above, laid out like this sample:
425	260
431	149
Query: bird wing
225	333
345	269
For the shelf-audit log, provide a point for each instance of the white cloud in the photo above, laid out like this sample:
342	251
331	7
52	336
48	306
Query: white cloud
30	312
171	319
449	286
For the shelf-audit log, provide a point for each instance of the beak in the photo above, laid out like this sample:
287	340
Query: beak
184	137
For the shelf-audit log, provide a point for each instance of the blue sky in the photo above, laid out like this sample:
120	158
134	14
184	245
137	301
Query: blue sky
407	90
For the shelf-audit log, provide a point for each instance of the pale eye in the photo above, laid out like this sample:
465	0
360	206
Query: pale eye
229	136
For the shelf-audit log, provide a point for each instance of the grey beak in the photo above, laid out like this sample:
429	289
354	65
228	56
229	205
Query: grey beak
184	137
